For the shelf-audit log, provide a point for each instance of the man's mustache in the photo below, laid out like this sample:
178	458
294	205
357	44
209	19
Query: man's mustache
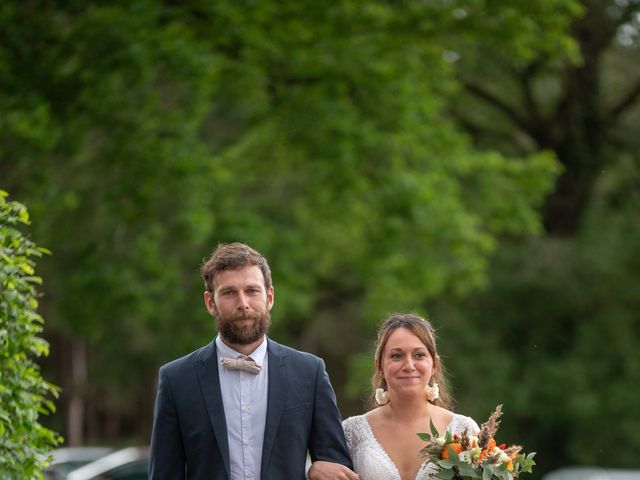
246	315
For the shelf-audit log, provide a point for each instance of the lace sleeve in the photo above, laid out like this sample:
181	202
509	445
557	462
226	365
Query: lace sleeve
352	432
460	423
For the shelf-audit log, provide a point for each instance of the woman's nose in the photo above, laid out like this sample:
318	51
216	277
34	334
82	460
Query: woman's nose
408	365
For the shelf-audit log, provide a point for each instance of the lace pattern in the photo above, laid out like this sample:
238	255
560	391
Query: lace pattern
372	462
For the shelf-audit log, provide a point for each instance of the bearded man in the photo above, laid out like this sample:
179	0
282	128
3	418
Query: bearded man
244	407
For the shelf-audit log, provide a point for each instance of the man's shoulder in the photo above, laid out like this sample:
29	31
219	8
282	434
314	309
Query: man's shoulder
187	360
293	354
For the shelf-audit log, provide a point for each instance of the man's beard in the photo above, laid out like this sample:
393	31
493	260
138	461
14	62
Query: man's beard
230	329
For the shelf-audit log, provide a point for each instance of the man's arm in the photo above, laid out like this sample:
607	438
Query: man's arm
330	471
327	445
167	460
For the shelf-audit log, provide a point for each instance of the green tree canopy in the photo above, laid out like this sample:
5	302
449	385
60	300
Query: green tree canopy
143	133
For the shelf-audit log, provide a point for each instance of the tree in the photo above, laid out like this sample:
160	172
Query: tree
101	138
557	330
556	303
24	394
583	107
146	132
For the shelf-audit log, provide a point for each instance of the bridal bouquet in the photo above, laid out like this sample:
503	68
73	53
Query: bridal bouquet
471	456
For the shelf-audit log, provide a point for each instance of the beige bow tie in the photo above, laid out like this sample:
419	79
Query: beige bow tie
246	364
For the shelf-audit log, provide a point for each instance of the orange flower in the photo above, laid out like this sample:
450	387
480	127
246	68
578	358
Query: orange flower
490	446
456	448
510	465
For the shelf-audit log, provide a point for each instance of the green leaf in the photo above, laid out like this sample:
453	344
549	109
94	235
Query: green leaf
445	474
433	429
466	470
23	391
527	463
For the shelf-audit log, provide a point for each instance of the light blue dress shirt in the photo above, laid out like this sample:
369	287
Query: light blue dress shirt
244	397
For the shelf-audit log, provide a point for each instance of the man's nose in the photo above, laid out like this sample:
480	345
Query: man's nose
242	301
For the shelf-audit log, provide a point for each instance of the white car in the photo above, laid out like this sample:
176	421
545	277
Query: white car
127	464
69	458
592	473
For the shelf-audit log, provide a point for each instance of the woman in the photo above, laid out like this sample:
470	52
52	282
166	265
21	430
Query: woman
409	394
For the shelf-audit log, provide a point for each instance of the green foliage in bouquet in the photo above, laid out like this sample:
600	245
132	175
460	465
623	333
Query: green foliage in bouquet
472	455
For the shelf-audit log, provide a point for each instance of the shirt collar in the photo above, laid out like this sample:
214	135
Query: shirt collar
258	355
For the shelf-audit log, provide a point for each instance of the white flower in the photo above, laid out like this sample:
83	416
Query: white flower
432	391
382	397
465	456
503	457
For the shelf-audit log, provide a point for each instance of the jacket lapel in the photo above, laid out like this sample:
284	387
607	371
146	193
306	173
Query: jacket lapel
207	368
275	398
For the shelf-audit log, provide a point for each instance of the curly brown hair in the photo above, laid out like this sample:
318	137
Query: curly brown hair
233	256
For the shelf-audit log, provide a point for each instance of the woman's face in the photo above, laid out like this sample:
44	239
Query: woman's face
407	365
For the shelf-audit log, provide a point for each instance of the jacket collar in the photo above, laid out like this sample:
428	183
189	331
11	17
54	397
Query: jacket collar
207	369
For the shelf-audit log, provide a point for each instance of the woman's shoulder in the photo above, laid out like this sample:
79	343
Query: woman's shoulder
460	423
356	431
357	421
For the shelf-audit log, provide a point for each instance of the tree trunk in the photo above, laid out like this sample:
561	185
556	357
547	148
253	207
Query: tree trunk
76	406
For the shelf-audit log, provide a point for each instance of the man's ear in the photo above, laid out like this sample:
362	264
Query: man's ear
210	303
270	297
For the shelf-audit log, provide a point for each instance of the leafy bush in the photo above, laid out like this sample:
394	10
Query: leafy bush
24	394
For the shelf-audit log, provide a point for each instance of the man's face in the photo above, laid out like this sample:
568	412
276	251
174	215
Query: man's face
241	304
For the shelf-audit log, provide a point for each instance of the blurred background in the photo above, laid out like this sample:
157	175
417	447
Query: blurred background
477	162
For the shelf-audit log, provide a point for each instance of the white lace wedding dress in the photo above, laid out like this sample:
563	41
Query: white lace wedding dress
372	462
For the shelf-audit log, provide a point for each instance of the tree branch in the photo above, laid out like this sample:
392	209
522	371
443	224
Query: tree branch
625	103
524	77
627	13
496	102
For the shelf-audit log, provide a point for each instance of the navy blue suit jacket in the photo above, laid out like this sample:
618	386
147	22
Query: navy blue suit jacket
189	439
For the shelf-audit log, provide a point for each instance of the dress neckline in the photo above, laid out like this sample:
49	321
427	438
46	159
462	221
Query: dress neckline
384	452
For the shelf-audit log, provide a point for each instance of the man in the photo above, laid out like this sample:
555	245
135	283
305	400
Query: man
245	407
